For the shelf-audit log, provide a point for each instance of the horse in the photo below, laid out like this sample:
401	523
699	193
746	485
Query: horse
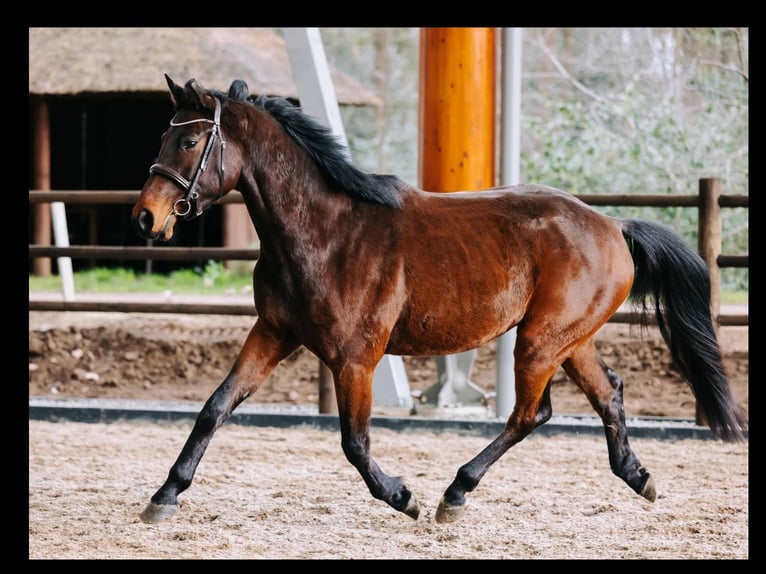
354	265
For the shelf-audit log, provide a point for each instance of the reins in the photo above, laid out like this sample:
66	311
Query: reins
182	207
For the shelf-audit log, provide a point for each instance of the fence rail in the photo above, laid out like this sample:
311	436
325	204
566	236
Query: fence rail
597	200
709	202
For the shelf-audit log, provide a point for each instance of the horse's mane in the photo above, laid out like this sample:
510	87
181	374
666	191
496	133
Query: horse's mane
329	155
323	147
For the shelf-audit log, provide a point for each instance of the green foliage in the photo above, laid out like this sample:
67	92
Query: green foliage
663	117
213	279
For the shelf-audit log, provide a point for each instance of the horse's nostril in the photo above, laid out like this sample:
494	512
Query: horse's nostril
144	222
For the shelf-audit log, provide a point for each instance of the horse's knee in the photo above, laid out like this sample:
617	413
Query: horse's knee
545	410
524	419
615	380
213	414
219	406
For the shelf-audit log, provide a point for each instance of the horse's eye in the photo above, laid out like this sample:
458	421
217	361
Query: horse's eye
188	144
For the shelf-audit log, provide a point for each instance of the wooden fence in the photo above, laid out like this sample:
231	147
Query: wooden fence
709	202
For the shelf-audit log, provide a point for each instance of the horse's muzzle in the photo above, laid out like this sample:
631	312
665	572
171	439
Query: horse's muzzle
143	222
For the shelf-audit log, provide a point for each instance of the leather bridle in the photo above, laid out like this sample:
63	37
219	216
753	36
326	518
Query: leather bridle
183	207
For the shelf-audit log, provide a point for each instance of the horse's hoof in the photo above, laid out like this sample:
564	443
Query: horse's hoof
413	509
449	513
154	513
649	491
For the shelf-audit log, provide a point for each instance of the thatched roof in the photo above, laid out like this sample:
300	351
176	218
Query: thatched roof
69	61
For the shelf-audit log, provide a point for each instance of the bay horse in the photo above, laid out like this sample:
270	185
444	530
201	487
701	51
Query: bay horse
355	265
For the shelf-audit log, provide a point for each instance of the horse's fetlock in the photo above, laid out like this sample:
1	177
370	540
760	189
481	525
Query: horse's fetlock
401	499
454	495
466	479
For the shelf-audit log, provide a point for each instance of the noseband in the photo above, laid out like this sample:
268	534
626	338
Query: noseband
183	206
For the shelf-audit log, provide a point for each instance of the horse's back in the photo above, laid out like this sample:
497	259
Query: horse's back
476	263
518	226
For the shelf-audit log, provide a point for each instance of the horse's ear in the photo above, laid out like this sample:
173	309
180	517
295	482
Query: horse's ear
197	95
176	91
238	91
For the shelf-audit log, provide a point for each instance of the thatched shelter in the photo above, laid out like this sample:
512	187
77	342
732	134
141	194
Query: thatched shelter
71	61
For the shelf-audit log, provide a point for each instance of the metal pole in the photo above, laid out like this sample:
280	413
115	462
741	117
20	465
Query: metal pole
510	174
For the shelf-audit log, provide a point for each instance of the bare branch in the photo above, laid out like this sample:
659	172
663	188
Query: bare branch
564	72
725	68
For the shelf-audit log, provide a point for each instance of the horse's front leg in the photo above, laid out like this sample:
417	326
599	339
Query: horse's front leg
353	388
260	354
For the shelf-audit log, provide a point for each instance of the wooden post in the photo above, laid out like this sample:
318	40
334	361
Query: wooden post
709	239
42	181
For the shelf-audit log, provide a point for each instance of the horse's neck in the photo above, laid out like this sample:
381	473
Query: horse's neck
292	210
286	195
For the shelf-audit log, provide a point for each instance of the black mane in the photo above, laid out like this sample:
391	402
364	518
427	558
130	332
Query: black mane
330	156
322	146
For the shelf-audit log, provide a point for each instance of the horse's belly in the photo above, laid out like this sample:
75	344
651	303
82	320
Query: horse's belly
463	327
439	344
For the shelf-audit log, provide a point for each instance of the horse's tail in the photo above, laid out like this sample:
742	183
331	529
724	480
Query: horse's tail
677	279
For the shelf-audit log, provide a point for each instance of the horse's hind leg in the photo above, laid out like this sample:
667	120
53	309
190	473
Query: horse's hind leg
259	356
532	409
604	388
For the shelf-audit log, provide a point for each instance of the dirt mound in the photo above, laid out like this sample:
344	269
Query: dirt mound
180	357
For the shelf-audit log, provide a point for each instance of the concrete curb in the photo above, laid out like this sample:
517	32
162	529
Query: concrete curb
286	416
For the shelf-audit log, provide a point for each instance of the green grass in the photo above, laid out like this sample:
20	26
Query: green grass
214	279
734	297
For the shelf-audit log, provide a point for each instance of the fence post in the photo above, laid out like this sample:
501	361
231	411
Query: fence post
709	238
42	180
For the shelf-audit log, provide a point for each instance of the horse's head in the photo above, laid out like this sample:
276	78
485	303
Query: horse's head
190	173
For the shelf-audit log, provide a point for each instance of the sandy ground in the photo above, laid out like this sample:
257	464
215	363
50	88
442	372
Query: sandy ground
265	493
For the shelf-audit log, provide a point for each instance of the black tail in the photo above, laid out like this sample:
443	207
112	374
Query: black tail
677	278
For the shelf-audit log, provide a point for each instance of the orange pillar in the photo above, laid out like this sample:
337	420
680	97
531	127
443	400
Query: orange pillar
457	109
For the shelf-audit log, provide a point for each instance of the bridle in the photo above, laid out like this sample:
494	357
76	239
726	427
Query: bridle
183	207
